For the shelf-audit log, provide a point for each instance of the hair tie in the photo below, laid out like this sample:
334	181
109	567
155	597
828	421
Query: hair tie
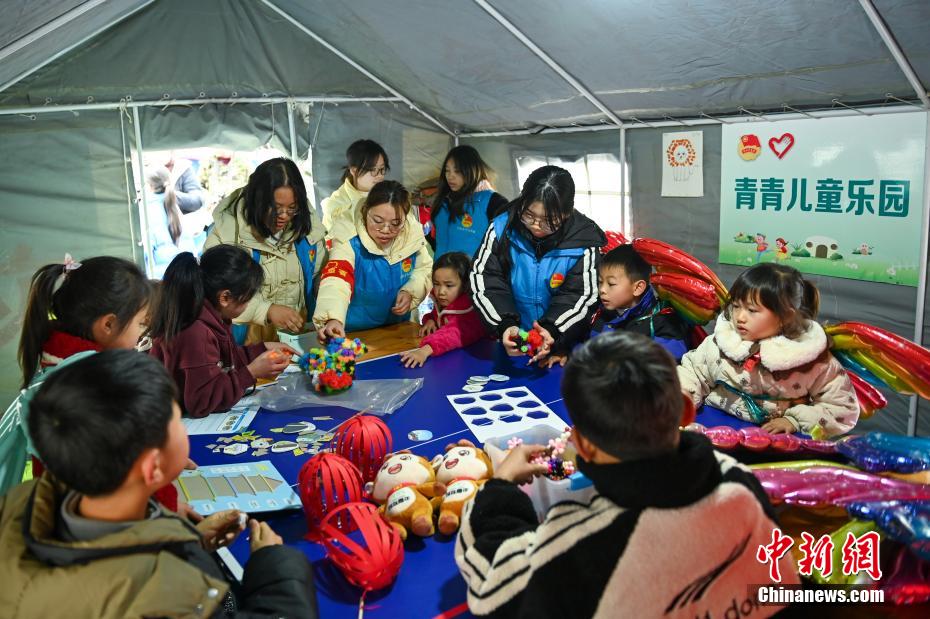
69	264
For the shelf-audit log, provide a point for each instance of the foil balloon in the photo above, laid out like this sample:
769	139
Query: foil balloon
835	486
901	364
838	537
695	290
870	398
878	452
799	465
757	439
908	580
907	522
662	254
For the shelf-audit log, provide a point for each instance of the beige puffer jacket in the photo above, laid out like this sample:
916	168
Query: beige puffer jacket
284	279
797	378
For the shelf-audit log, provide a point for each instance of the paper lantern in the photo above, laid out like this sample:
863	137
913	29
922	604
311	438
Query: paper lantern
364	440
326	481
369	559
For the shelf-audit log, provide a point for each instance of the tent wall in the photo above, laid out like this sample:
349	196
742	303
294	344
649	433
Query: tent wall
414	146
63	188
693	224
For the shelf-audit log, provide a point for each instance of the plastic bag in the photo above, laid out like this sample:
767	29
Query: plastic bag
378	397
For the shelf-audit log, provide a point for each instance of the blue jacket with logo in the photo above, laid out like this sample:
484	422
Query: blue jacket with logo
518	279
464	233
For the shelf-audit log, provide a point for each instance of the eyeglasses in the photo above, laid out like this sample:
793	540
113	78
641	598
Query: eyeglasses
542	223
376	171
290	211
381	226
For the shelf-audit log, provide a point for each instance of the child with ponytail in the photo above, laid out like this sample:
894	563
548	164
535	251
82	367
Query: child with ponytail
192	335
74	309
768	360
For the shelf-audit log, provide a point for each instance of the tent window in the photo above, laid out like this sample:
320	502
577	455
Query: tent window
597	186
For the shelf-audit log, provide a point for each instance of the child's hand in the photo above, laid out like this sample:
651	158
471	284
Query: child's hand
547	343
262	535
779	425
553	360
508	340
282	347
417	357
517	468
428	327
402	303
220	529
284	317
332	328
188	513
269	364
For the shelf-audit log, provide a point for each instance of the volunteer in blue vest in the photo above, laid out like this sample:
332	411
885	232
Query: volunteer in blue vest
465	203
537	263
378	275
271	219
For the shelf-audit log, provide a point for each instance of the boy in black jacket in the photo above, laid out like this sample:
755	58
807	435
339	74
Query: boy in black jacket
673	530
90	541
628	302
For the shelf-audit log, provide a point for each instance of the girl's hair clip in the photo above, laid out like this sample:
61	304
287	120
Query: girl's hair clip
70	264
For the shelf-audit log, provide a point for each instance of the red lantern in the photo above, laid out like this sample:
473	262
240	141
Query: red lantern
364	440
370	560
327	481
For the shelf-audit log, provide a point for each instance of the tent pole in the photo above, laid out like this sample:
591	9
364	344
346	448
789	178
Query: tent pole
144	219
895	109
54	25
582	90
163	103
623	182
922	278
895	50
357	66
129	200
292	132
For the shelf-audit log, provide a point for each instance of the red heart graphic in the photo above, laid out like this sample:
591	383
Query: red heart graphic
782	145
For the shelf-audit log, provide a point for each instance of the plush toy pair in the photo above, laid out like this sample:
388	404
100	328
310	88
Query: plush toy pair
410	489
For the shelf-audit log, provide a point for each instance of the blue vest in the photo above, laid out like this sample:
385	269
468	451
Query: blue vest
532	281
306	255
376	286
464	233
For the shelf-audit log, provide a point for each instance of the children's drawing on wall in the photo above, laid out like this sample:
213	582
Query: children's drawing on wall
682	164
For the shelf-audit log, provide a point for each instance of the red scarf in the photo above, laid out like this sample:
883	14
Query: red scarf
57	348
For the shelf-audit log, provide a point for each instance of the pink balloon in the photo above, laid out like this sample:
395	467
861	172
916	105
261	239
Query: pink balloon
755	438
786	442
825	486
723	437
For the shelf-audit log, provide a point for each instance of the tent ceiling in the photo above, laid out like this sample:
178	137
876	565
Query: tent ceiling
646	59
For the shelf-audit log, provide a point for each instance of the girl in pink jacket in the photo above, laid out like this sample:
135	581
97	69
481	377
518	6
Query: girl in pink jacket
453	323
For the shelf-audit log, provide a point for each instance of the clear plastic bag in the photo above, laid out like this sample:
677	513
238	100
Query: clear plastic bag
377	397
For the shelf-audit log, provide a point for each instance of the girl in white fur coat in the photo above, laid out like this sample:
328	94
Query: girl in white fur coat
768	360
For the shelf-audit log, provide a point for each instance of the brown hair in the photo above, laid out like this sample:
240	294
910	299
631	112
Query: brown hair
780	289
388	192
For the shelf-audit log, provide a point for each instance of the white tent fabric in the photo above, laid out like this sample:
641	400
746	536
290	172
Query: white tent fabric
84	84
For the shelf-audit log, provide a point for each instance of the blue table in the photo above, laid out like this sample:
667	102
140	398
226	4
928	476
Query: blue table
429	583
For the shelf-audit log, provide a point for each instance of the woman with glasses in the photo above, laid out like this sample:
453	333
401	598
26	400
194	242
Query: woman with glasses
465	203
366	165
376	277
271	219
537	264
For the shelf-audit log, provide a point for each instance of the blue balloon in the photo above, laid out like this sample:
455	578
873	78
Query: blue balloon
878	452
907	522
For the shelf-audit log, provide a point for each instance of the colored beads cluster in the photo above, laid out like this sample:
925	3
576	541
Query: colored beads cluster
553	458
333	368
529	342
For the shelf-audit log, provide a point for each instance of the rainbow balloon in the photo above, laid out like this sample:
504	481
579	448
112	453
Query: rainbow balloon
660	254
894	361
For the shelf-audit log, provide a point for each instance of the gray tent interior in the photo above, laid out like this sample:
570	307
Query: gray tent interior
85	84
